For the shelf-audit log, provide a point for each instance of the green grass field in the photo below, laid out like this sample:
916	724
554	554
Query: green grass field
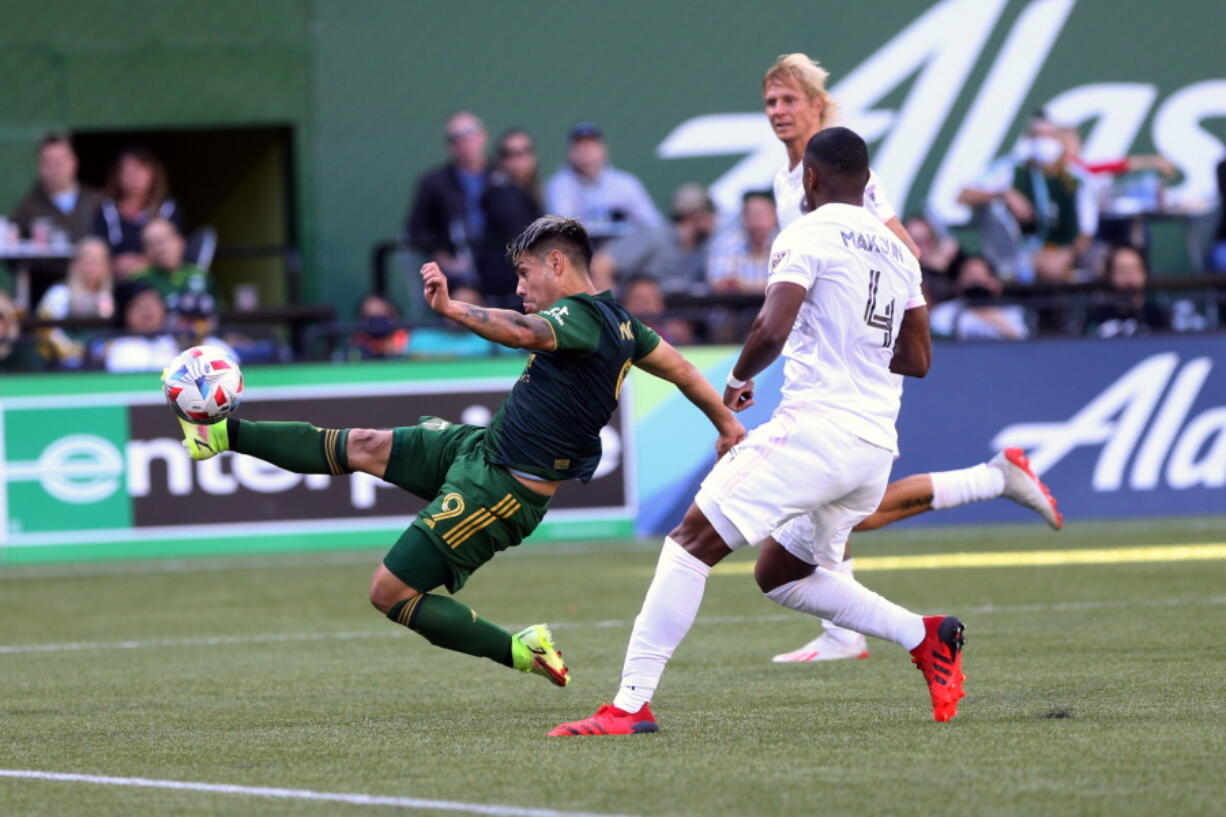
1093	689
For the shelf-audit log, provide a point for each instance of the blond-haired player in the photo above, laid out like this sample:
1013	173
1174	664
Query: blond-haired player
798	106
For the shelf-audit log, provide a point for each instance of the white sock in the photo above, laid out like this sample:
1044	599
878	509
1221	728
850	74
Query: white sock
668	613
842	634
850	604
953	488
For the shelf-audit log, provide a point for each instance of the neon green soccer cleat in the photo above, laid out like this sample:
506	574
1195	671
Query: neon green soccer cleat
533	651
204	441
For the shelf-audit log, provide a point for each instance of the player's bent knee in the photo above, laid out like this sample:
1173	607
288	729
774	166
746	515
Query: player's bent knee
386	590
776	567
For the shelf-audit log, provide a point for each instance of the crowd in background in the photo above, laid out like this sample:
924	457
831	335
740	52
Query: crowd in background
117	286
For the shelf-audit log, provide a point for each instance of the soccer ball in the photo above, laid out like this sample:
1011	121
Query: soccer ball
203	384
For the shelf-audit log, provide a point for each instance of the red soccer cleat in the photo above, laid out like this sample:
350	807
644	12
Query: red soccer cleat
939	657
609	720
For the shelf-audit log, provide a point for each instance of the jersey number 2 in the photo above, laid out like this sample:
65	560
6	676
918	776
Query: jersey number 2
883	320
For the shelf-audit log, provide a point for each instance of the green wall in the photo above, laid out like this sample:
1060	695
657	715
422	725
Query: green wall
366	83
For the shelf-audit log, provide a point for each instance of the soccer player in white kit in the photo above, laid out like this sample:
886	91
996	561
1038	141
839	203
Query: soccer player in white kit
845	308
798	106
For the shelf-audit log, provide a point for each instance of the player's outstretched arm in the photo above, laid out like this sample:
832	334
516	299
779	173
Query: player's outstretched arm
668	364
767	336
913	351
502	326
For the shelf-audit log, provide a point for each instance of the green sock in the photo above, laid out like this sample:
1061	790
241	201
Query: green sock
447	623
298	447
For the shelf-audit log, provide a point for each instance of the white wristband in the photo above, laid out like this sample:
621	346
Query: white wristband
733	383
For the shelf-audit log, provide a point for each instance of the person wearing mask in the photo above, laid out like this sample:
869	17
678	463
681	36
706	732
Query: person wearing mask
379	334
446	221
975	313
1047	200
1122	309
136	193
609	202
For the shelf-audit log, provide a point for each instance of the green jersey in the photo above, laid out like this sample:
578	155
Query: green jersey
549	425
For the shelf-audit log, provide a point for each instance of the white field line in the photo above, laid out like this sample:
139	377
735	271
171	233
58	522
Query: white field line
297	794
612	623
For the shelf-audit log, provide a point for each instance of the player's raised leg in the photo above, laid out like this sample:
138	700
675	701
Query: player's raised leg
298	447
1007	475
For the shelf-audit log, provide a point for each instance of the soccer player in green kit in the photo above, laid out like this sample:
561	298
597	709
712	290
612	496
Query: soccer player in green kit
491	487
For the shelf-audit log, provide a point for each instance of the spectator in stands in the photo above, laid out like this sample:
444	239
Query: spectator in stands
193	320
447	222
738	259
378	337
86	294
56	196
512	201
17	354
146	346
1041	201
136	193
673	254
165	270
938	255
643	298
1217	252
609	202
87	291
976	314
451	340
1122	309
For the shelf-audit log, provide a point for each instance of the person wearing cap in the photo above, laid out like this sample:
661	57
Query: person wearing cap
609	202
674	254
193	320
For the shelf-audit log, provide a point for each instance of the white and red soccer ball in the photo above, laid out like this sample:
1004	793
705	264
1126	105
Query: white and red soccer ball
203	384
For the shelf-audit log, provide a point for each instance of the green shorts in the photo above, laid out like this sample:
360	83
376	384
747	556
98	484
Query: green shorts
477	510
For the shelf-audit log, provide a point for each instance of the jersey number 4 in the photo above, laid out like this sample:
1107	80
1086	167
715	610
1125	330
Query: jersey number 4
883	320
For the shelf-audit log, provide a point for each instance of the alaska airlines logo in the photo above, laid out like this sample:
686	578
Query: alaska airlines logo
939	50
1131	417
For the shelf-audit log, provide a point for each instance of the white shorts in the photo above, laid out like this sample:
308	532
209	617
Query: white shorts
799	477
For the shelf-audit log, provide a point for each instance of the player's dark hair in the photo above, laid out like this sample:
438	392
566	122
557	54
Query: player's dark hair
554	233
838	150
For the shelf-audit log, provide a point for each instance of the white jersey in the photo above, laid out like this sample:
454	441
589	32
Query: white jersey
860	280
789	191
